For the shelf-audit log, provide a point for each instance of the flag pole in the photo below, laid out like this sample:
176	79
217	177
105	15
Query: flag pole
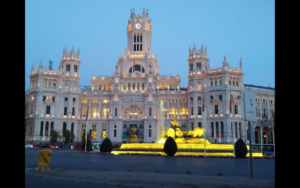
261	137
232	125
87	114
273	133
204	124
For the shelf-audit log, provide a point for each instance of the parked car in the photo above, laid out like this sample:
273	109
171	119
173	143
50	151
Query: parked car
96	146
28	145
46	146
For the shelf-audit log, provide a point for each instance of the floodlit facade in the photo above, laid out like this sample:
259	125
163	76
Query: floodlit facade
125	106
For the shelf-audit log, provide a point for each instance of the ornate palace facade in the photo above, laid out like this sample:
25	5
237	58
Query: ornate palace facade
125	107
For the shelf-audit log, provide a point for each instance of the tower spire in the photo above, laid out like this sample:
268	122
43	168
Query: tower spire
241	64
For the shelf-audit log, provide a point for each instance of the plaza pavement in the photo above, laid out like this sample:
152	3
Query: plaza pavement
107	178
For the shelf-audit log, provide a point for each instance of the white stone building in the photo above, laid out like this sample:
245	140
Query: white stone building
125	107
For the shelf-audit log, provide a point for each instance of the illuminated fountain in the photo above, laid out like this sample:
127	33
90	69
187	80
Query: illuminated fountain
188	142
161	129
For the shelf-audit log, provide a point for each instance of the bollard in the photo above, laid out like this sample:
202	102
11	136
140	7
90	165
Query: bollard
44	159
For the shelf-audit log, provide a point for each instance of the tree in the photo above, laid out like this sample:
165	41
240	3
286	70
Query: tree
240	149
88	144
106	145
69	137
53	137
170	146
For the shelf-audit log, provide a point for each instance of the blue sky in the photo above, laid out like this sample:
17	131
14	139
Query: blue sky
235	28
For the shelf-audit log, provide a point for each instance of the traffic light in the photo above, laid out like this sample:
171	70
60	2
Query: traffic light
90	132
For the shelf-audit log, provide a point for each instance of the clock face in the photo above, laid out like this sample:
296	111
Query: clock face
138	25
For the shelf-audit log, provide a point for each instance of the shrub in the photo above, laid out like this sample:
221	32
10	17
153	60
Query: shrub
240	149
106	145
170	147
53	137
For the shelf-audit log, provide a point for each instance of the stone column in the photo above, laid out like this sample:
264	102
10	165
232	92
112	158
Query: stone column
178	108
215	130
168	107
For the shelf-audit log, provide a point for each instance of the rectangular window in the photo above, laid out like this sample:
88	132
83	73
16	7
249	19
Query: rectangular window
220	82
216	83
216	109
150	133
137	37
199	124
134	39
73	111
116	111
199	110
137	47
191	67
115	132
53	99
134	47
140	47
211	83
192	113
141	38
220	97
235	109
44	98
74	99
150	111
48	109
65	111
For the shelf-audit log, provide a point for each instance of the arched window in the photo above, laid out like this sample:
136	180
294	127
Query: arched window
45	84
150	131
64	128
73	111
124	86
235	128
212	129
220	82
115	131
211	83
199	124
128	86
229	82
66	98
142	86
216	83
49	84
54	85
191	67
133	86
46	128
237	83
240	129
52	126
72	128
222	129
41	128
138	86
150	111
232	82
217	129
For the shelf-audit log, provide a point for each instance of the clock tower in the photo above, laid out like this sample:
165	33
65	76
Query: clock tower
139	33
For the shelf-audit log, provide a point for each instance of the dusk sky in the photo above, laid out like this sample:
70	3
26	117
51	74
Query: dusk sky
234	28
